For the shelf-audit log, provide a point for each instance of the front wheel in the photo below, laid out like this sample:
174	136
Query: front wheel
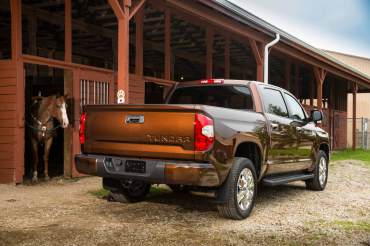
318	182
239	190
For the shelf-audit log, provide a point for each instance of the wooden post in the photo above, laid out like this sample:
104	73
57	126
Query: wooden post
121	9
288	69
227	58
68	89
167	45
209	58
312	88
68	31
16	39
354	114
139	61
257	51
320	75
296	80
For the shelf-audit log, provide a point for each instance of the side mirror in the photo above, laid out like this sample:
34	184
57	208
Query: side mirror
316	116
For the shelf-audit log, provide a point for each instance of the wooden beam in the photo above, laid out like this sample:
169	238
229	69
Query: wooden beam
354	114
167	45
136	8
68	31
117	9
320	75
209	56
258	56
227	57
139	58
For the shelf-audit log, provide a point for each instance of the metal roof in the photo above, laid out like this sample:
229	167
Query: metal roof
249	19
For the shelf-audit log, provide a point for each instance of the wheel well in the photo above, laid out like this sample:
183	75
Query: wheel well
251	151
325	148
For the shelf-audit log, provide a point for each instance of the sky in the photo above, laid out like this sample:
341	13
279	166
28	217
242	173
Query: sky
337	25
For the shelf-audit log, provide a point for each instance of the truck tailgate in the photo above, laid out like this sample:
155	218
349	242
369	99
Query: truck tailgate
151	131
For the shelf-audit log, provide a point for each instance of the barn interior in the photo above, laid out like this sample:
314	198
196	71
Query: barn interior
42	81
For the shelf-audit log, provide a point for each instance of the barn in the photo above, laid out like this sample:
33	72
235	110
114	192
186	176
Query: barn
90	49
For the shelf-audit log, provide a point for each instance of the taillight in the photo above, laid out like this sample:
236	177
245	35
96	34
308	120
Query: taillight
212	81
203	132
82	128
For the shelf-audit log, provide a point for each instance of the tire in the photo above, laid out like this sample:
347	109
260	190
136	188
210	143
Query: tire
179	188
318	182
133	191
230	207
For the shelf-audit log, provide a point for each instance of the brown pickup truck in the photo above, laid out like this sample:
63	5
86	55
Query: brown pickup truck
218	137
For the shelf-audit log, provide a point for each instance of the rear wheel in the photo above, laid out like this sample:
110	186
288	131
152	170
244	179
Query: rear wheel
318	182
179	188
130	191
239	190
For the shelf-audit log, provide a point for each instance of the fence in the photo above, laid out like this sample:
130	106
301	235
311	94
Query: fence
362	132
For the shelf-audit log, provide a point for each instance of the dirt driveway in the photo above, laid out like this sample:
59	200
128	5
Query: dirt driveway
66	213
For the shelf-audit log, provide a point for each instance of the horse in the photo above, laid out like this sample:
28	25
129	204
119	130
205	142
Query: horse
43	111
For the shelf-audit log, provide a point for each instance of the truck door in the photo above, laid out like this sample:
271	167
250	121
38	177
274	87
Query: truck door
283	135
305	131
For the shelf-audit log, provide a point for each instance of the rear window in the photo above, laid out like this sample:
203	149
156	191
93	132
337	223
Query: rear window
226	96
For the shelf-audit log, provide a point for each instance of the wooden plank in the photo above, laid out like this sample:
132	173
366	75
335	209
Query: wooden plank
7	165
7	123
6	90
7	72
6	155
7	132
8	107
7	175
7	99
8	115
7	140
7	81
6	147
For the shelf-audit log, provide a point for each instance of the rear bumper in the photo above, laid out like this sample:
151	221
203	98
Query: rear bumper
157	171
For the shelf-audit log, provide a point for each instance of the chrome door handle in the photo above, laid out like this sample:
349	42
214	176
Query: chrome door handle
274	126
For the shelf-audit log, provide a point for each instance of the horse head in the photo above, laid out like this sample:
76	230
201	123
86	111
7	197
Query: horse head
59	111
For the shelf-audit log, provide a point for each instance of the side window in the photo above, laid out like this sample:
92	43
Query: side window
296	111
274	102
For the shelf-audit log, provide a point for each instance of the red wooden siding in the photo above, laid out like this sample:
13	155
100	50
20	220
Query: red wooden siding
7	121
136	89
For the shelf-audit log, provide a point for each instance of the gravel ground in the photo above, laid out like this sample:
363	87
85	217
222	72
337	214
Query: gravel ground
64	212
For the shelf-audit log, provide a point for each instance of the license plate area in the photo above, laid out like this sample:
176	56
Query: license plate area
135	166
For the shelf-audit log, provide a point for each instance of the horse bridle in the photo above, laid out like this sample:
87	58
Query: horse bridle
42	126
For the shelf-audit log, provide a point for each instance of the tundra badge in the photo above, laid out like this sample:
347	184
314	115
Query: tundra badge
134	119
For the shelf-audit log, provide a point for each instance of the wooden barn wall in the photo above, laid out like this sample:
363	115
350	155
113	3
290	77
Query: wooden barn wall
8	120
136	89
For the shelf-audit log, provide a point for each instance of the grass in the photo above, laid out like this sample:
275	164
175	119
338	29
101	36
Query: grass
349	225
101	193
348	154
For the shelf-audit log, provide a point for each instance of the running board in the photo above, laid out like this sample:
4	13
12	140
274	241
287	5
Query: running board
287	178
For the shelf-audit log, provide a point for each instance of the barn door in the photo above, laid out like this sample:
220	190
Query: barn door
89	87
